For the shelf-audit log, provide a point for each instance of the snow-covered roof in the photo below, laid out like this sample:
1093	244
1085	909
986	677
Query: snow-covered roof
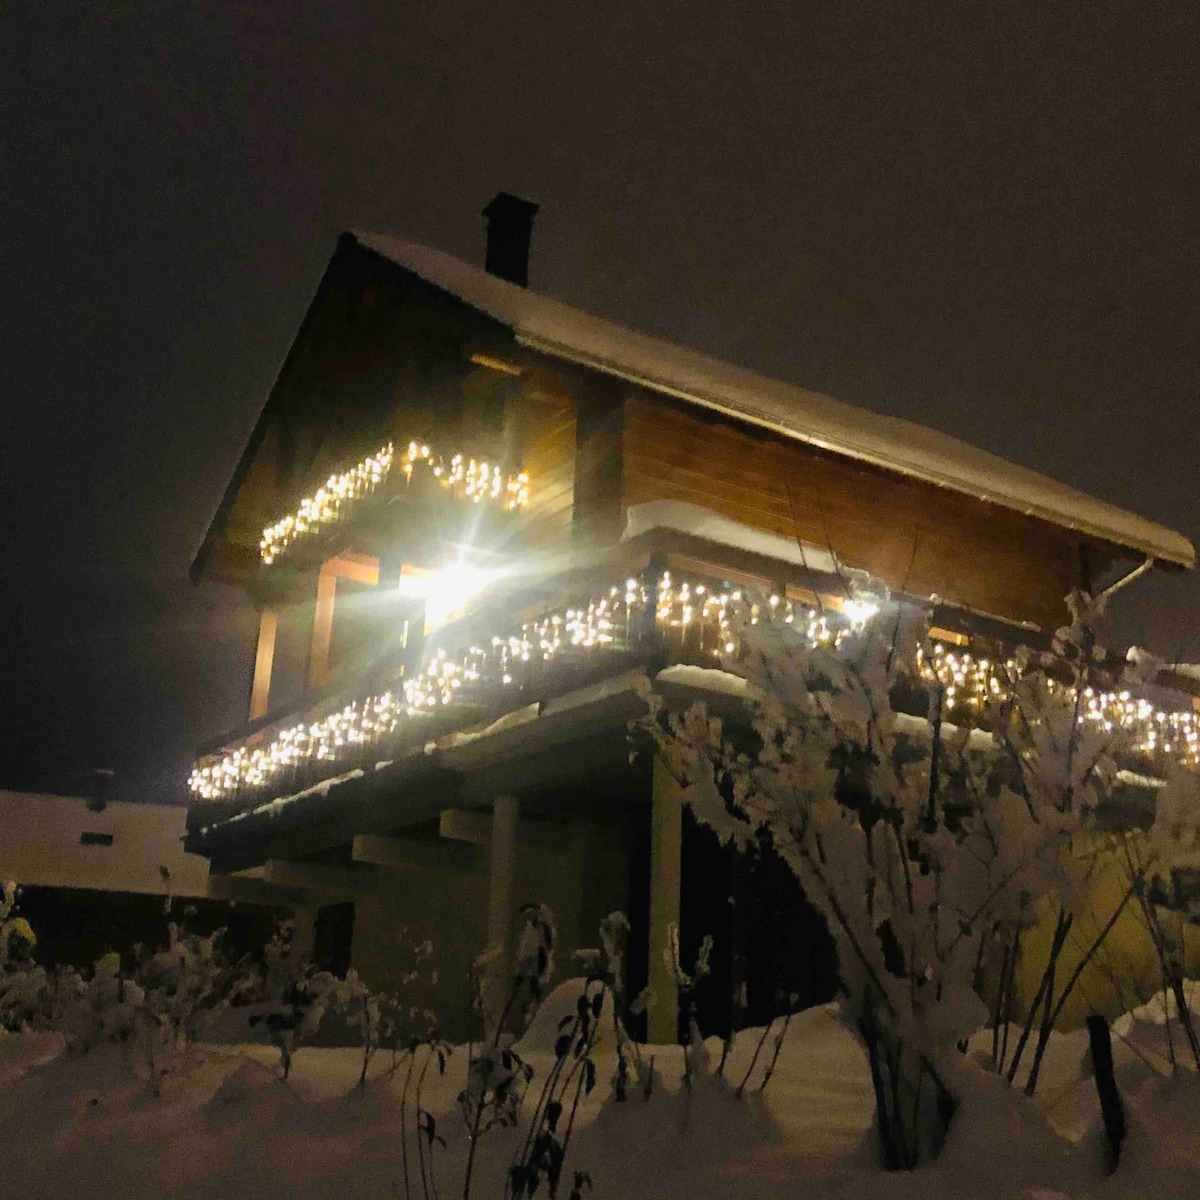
554	328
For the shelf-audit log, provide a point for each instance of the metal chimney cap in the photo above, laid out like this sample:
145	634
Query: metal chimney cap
505	207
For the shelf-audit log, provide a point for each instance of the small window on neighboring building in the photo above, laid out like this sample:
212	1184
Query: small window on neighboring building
88	838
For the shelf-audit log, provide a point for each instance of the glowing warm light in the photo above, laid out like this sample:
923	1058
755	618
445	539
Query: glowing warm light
470	479
973	683
693	617
445	590
696	614
328	504
860	610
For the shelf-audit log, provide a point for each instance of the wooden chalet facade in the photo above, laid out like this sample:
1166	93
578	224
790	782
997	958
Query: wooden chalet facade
475	520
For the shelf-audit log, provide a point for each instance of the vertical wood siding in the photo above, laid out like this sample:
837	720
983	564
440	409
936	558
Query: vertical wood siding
916	537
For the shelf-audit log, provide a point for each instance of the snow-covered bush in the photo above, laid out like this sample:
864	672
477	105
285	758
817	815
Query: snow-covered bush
497	1076
922	850
294	995
606	964
23	984
387	1019
1157	864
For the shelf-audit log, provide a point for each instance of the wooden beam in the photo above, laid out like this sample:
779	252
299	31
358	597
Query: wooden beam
414	854
459	825
361	568
264	657
337	881
322	634
255	891
496	364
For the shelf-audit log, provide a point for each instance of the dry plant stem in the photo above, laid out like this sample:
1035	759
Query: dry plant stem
579	1085
478	1117
1009	997
1185	1015
890	1156
551	1080
998	1009
741	1087
1060	933
412	1062
555	1074
1047	1022
1053	1015
536	1119
1172	973
368	1050
430	1188
787	1020
1167	1013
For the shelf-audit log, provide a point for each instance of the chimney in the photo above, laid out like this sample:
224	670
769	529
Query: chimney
509	224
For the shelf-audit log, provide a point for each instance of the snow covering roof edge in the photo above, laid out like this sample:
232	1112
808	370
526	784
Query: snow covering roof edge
554	328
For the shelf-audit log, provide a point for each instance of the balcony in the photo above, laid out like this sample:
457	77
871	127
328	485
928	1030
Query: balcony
661	598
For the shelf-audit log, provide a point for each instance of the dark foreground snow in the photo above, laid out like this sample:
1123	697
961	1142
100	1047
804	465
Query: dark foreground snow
225	1125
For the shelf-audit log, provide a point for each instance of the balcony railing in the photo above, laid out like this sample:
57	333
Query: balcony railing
473	480
491	663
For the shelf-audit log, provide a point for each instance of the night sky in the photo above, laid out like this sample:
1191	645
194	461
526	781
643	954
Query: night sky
981	217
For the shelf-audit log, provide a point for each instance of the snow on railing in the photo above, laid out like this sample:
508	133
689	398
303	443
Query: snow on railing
470	479
972	682
689	619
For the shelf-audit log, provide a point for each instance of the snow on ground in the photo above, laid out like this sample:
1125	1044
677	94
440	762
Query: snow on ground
226	1125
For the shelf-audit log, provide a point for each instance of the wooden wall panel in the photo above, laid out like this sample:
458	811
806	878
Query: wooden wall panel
915	536
546	424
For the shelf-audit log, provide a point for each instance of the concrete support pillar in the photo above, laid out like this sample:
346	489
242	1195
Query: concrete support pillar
264	657
322	635
501	878
304	921
666	864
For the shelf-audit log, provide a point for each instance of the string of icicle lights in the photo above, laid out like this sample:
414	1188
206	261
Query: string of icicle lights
469	479
972	682
694	617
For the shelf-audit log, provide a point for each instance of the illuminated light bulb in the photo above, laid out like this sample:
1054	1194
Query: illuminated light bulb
859	611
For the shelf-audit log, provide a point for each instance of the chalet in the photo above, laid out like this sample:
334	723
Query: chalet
474	519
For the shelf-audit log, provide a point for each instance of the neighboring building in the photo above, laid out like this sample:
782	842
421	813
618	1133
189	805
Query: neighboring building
60	842
473	518
97	881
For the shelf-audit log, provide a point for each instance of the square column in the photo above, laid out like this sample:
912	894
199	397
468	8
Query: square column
304	922
666	866
501	877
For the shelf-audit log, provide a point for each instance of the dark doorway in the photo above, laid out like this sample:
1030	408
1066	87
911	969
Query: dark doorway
333	935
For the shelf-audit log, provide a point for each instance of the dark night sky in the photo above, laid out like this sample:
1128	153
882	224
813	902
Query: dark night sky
981	217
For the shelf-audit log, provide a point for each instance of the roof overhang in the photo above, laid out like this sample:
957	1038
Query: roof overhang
550	327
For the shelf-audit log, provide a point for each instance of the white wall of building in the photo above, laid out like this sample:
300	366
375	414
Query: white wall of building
41	844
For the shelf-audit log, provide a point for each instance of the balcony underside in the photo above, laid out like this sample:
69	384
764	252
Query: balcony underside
573	757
